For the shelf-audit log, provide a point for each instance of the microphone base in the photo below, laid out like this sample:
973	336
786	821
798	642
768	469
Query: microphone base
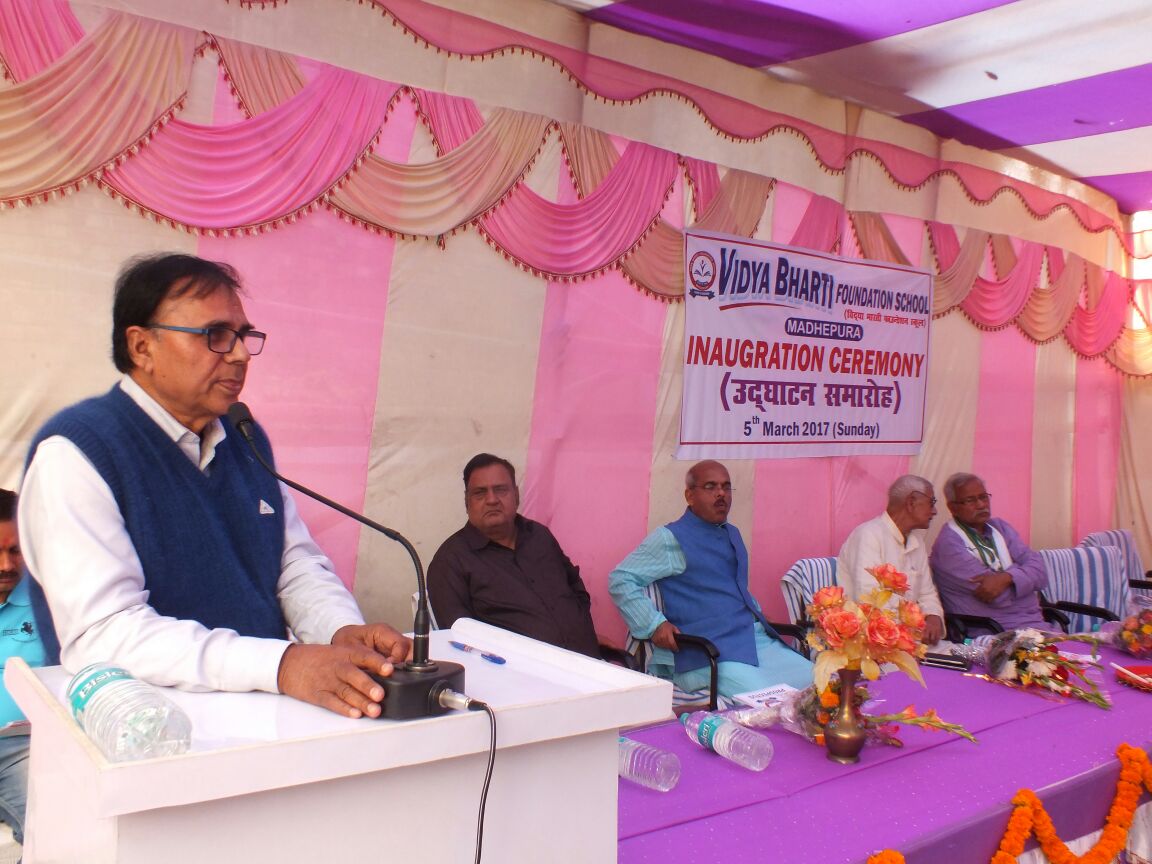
409	693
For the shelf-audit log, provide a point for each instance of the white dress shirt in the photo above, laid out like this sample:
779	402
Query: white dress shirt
879	541
76	544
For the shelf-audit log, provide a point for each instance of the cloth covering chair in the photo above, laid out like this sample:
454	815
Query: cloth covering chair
800	584
1087	583
1139	579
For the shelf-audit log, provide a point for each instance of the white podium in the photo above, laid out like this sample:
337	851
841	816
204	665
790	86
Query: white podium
270	779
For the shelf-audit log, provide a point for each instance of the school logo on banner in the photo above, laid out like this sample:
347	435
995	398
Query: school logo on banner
790	352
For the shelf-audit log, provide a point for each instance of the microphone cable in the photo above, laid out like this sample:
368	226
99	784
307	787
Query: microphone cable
459	702
487	778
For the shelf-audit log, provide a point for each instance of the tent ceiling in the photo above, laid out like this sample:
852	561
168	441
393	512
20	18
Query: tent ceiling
1061	84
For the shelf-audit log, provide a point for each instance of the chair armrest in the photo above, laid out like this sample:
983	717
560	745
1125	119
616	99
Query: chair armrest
795	631
713	669
956	625
618	656
1145	584
1054	616
798	632
1082	609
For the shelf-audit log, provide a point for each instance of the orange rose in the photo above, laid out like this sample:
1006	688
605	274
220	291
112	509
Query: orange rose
889	578
908	639
838	626
829	597
911	615
883	632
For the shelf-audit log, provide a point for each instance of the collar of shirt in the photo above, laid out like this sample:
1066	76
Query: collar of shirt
912	541
199	450
477	539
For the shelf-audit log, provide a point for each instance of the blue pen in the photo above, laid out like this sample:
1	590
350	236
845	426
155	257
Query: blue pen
491	658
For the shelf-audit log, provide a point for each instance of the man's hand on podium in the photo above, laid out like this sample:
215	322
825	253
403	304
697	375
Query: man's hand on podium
333	677
377	637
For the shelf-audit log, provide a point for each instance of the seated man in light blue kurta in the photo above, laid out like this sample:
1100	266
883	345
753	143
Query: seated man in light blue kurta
18	638
702	565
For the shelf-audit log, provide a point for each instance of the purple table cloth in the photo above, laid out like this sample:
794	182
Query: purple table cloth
937	799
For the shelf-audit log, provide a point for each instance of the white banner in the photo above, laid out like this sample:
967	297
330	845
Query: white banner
790	352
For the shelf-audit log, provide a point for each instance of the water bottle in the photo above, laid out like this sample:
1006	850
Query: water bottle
649	766
126	718
721	735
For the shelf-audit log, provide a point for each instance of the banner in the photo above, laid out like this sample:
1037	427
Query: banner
790	352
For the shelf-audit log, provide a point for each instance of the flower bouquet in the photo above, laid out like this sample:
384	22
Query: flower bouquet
1133	634
864	635
854	639
809	711
1029	659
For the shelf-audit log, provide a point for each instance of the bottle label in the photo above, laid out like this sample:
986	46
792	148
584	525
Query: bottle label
81	692
707	730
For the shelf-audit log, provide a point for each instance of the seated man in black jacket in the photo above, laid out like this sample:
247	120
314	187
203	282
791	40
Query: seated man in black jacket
508	571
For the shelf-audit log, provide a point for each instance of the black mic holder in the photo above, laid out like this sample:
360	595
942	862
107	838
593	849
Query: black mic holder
414	687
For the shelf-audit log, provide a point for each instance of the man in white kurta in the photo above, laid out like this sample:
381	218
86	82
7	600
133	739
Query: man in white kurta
896	537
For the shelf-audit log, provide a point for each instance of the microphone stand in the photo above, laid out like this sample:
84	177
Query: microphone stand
414	687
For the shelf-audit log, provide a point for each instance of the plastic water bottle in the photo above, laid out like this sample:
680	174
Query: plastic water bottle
649	766
721	735
127	718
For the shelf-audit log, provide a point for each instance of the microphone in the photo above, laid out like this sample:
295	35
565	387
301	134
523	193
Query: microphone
414	688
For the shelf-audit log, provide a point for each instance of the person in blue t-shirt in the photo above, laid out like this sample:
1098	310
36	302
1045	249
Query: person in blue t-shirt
18	638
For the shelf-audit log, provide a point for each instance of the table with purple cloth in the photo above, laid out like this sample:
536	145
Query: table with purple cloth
939	798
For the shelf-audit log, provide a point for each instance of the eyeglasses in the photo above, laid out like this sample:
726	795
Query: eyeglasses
931	501
481	492
222	340
710	486
982	498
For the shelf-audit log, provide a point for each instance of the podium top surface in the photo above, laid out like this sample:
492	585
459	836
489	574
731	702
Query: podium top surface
247	742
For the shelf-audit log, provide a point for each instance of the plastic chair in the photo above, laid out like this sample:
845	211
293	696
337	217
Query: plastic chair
1087	583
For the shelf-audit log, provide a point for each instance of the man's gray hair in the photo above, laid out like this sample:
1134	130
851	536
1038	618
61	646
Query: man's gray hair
956	481
907	485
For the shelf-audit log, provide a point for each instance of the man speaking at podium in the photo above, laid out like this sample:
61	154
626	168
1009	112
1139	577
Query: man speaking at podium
160	544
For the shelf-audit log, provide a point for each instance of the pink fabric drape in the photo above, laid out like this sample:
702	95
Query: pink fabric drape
1096	445
228	177
96	105
35	35
1004	421
574	239
592	330
997	302
1093	330
1047	311
820	226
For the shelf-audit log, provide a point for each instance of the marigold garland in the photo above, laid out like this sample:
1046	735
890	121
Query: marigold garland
1029	816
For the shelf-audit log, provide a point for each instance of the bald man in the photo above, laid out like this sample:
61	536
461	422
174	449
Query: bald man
701	564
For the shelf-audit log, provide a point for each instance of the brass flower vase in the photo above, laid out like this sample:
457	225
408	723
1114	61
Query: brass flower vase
844	733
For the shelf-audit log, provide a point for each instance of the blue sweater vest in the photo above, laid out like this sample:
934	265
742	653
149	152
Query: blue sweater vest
711	597
208	553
